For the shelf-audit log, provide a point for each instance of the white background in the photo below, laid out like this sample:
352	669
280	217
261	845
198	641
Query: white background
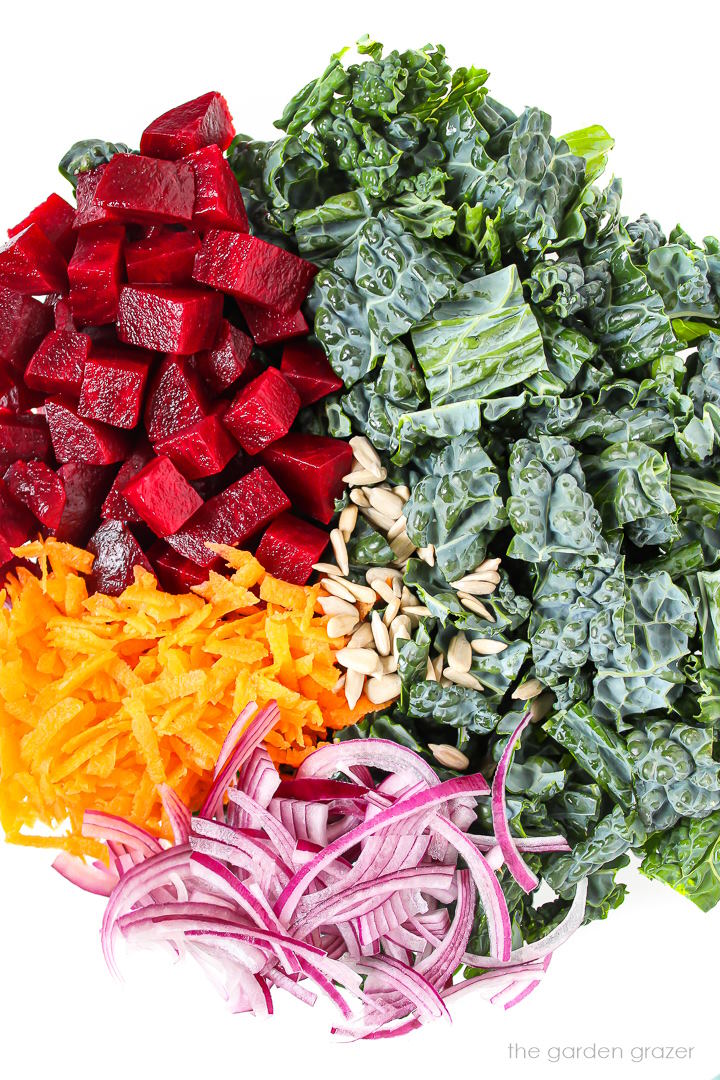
648	72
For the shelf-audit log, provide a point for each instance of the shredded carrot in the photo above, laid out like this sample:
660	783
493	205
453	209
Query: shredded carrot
104	698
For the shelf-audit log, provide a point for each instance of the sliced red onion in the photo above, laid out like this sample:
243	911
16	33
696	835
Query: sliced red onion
517	866
537	844
177	814
100	826
261	725
371	753
94	879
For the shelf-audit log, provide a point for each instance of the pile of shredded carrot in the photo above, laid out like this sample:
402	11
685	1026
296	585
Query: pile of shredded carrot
104	698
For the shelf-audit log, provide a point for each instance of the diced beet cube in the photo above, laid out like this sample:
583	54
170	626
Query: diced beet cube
311	469
162	260
113	386
229	359
162	496
307	368
55	217
231	517
24	322
85	488
62	312
23	438
203	449
210	486
189	127
31	264
88	211
40	489
17	524
96	272
218	201
290	547
141	189
267	327
16	398
117	553
75	438
116	505
253	270
263	411
57	366
176	573
169	319
176	398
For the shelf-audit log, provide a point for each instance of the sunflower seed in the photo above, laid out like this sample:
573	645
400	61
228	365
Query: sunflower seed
439	664
427	554
449	756
383	590
340	551
403	491
400	622
399	631
430	672
527	690
354	684
487	564
363	477
339	685
380	521
462	678
408	597
380	634
487	577
419	610
366	453
459	654
385	688
335	605
335	588
359	498
386	502
541	706
402	546
381	572
362	636
366	661
474	588
475	605
363	593
348	520
397	527
485	646
389	664
397	585
392	610
341	625
444	682
326	568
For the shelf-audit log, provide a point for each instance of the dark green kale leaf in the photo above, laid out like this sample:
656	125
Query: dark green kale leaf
631	486
687	857
88	154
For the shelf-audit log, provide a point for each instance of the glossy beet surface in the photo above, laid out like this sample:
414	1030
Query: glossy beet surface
96	273
170	319
143	189
310	469
218	201
23	438
166	259
162	496
251	269
115	505
85	488
75	438
89	212
204	449
229	360
56	218
263	411
58	365
31	264
117	553
41	490
231	517
176	398
289	548
24	322
176	573
17	524
188	127
113	386
307	368
268	327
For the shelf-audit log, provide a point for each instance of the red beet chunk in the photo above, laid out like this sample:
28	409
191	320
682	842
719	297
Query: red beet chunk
290	547
310	468
166	259
85	488
218	201
116	505
96	273
253	270
23	324
229	359
162	496
306	367
176	573
142	189
188	127
57	366
62	312
231	517
176	398
263	411
267	327
41	490
88	211
113	386
55	217
31	264
23	438
16	398
169	319
117	553
204	449
17	524
75	438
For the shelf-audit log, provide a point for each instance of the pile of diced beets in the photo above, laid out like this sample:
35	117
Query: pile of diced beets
138	417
